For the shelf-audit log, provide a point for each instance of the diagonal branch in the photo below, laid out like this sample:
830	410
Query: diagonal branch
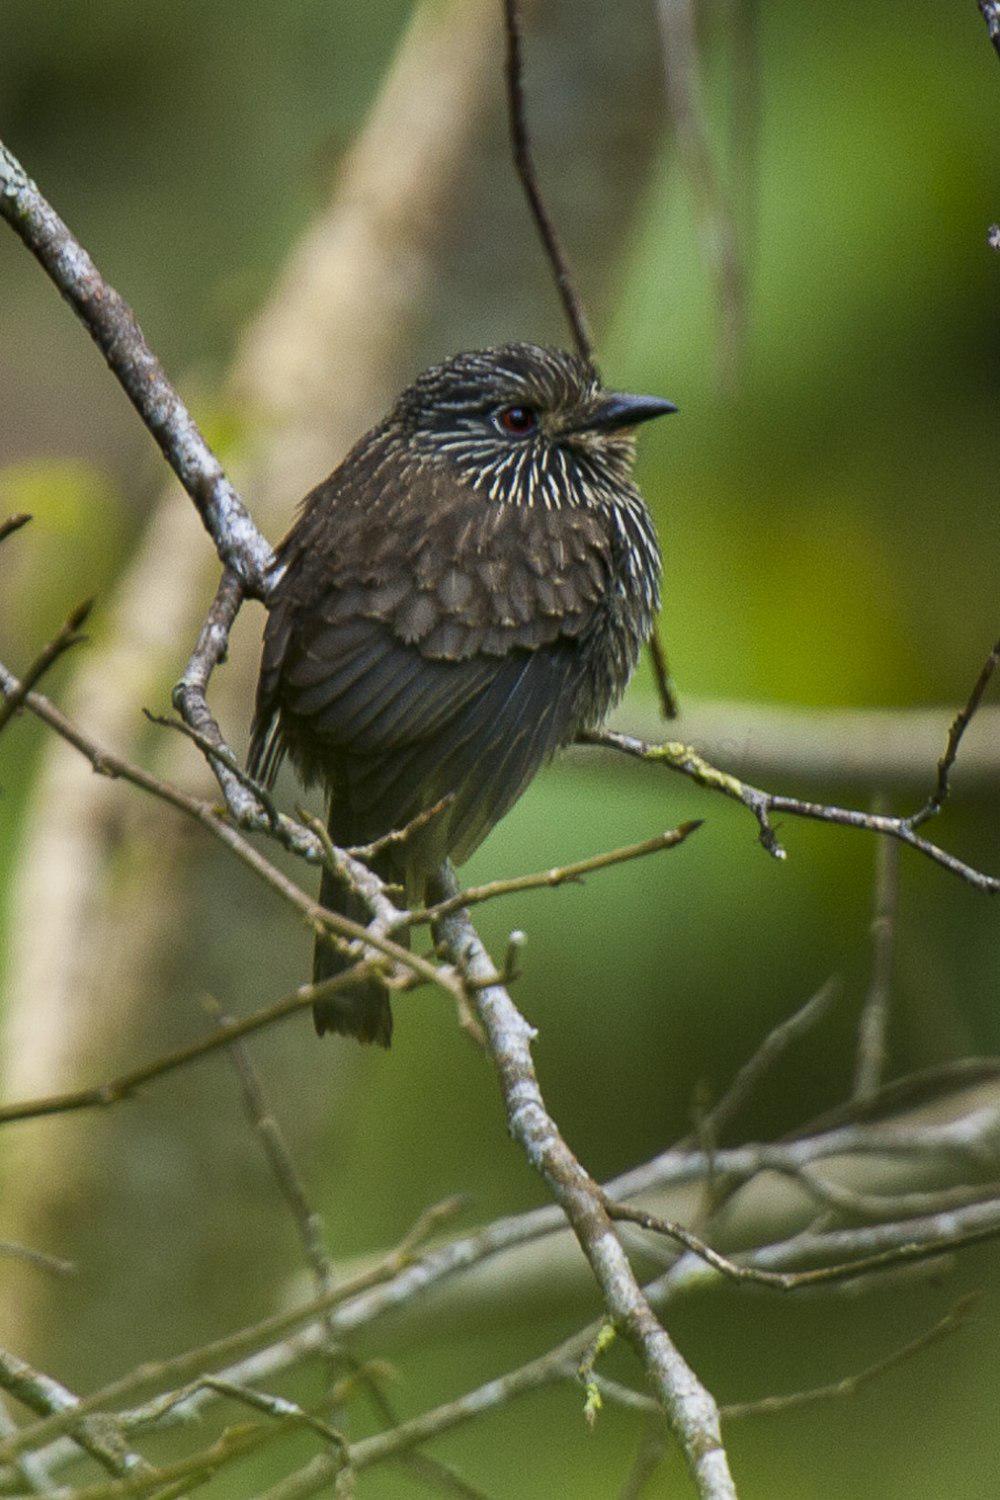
676	756
112	325
525	167
691	1409
100	1437
549	879
68	637
12	524
959	725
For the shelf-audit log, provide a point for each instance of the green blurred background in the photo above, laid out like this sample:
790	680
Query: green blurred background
831	536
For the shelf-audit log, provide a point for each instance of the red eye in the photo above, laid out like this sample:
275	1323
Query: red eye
517	421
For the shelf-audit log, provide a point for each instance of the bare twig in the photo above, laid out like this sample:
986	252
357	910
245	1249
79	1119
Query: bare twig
106	763
548	1369
959	725
40	1258
764	805
309	1226
32	1470
902	1253
882	1207
690	1407
182	1475
558	875
368	852
220	756
68	637
662	677
848	1385
840	1255
113	326
12	524
264	1122
879	749
521	146
770	1051
194	1363
126	1084
874	1023
98	1436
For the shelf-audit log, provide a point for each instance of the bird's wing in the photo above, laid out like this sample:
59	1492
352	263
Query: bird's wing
426	647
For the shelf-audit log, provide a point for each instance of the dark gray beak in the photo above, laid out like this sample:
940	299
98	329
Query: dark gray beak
617	410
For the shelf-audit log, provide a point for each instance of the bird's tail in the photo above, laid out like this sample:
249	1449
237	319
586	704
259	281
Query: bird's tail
361	1010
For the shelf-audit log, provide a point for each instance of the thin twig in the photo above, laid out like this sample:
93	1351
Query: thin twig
319	919
770	1051
849	1385
662	676
309	1226
548	1369
40	1258
33	1470
959	725
12	524
112	324
368	852
98	1436
676	756
690	1407
126	1084
523	162
221	755
182	1475
264	1122
874	1023
558	875
68	637
885	1207
904	1251
194	1363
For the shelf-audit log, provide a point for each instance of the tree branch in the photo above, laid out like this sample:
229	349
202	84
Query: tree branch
112	325
690	1407
68	637
676	756
525	167
548	879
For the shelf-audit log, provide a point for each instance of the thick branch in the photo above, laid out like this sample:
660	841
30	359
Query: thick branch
690	1407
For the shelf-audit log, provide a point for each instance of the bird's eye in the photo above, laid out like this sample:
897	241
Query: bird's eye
516	421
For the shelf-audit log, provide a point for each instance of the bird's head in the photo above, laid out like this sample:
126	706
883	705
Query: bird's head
526	425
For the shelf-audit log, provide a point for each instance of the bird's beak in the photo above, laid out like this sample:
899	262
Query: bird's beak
615	411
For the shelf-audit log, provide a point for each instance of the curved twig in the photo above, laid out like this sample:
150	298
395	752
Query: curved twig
524	163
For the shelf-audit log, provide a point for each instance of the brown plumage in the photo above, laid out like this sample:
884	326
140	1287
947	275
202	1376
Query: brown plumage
464	594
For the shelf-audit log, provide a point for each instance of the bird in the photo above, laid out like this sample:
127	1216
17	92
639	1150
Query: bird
468	591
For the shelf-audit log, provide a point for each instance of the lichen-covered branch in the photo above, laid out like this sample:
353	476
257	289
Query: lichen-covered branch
691	1409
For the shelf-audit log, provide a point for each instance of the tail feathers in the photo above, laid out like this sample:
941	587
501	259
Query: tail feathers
360	1010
